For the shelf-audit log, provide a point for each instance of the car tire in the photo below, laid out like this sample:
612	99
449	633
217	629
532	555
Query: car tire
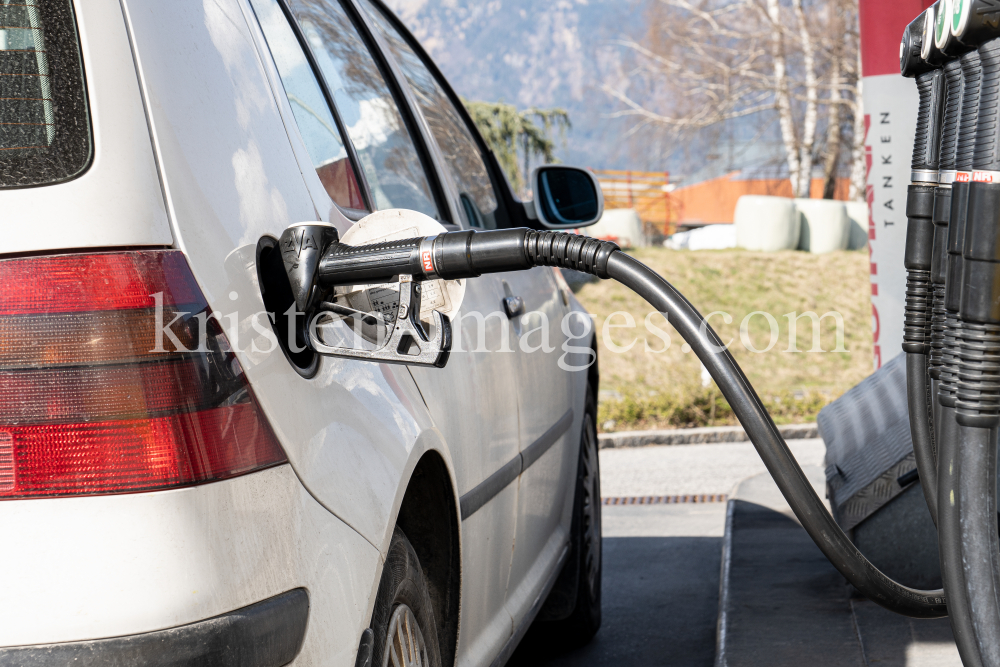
405	631
585	564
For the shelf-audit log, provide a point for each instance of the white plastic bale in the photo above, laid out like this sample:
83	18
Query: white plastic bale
825	225
621	225
857	211
766	223
712	237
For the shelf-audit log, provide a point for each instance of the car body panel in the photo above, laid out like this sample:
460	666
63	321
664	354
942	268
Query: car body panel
545	393
482	439
473	400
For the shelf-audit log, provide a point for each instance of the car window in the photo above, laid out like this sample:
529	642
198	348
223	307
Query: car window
374	123
461	154
44	123
313	116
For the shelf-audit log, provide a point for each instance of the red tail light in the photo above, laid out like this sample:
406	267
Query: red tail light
95	398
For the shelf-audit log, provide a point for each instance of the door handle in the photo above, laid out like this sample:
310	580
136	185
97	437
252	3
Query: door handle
514	305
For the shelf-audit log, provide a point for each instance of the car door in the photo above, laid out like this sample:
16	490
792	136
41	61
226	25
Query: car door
549	435
472	400
546	423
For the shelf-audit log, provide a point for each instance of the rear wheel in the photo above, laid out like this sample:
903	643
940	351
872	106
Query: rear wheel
403	620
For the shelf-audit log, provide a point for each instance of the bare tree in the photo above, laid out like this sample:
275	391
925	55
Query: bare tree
858	168
706	62
834	134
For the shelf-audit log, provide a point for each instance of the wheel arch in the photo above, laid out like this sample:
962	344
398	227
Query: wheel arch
428	516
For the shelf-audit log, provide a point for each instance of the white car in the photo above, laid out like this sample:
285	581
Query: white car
177	490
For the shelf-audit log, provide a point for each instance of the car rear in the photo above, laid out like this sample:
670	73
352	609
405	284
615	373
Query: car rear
148	511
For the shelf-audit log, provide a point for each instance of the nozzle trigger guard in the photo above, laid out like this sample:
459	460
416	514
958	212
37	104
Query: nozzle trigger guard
407	341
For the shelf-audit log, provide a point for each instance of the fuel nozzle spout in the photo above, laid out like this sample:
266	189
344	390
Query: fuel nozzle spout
302	246
318	264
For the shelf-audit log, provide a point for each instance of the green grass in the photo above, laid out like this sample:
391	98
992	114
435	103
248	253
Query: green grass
649	387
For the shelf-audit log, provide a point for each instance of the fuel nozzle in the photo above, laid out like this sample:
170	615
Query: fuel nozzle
971	25
302	246
954	263
944	193
317	263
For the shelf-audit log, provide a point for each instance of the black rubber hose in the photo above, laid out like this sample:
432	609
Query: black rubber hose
918	260
917	312
949	499
950	540
978	388
978	414
920	429
463	254
778	459
978	535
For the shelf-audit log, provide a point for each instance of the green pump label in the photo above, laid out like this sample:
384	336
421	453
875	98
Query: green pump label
957	8
940	23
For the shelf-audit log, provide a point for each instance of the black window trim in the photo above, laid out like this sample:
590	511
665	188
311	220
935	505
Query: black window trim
352	154
448	211
511	209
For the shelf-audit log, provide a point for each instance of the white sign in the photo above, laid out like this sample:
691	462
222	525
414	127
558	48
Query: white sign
890	120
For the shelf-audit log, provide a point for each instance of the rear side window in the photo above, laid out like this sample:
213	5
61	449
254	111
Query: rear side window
388	155
461	154
44	123
313	116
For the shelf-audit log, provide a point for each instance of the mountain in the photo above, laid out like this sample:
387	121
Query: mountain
556	54
530	53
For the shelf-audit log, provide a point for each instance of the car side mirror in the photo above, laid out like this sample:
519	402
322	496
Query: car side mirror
566	197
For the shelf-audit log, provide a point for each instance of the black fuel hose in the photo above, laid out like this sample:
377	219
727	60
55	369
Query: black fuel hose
978	535
950	540
920	60
466	254
977	341
949	498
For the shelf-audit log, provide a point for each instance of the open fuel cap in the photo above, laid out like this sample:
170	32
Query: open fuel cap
444	296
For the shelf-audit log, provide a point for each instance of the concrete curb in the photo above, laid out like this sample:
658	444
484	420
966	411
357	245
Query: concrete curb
696	436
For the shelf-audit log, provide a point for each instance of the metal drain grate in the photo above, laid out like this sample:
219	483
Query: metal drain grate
666	500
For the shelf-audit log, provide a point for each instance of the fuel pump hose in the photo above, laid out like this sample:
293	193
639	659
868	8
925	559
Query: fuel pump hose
467	254
920	60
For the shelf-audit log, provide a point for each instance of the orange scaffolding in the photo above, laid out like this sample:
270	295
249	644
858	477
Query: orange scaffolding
648	192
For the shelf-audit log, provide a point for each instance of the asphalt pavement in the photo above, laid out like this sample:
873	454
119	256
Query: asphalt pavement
660	591
662	567
661	562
